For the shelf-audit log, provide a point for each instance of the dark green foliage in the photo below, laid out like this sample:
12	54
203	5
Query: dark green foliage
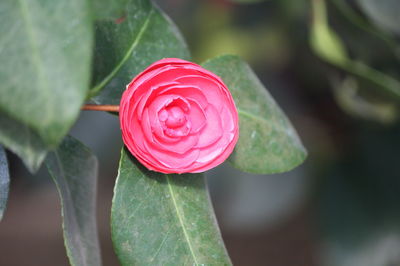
46	49
124	48
267	141
74	170
160	219
4	181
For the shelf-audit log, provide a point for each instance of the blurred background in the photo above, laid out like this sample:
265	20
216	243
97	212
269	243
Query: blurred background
339	208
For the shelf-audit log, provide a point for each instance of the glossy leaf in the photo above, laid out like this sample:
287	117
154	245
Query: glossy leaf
4	181
74	170
384	13
105	9
126	46
23	141
268	143
159	219
43	85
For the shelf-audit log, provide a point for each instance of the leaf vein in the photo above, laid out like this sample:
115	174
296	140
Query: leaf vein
63	179
180	218
149	195
42	82
162	243
128	53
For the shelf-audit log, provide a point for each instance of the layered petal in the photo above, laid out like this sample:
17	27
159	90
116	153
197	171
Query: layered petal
213	128
177	117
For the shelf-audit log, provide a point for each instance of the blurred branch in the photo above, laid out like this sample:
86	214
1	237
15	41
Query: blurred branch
361	23
346	95
329	47
374	76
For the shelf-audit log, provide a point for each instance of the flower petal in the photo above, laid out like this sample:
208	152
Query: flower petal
212	131
187	91
209	86
196	116
170	160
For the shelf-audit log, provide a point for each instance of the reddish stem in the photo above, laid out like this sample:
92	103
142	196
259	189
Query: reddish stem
96	107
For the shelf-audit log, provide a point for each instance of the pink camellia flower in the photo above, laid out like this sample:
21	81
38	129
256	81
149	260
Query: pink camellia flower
177	117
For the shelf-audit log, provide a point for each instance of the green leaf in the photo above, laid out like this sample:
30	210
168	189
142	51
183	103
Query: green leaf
46	53
268	143
74	170
23	141
125	48
4	181
159	219
384	13
106	9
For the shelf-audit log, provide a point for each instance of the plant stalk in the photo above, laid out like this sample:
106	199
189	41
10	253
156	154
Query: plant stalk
98	107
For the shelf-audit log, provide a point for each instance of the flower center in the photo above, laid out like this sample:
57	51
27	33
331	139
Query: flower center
176	117
173	118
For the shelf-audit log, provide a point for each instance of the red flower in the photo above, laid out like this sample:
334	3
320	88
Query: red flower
177	117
